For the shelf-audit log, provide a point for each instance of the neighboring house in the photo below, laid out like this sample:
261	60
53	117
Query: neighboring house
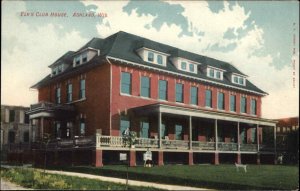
287	138
185	107
14	125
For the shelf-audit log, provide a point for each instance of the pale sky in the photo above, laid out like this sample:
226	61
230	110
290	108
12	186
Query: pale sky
256	37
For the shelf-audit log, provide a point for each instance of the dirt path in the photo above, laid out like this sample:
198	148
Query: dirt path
6	185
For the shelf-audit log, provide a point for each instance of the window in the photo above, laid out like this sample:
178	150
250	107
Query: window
82	127
124	124
221	101
57	130
84	57
253	106
236	79
82	89
253	136
77	60
241	81
145	86
163	131
11	136
126	83
178	132
26	137
159	59
144	129
179	92
69	92
58	94
211	72
163	87
26	119
11	115
194	95
208	98
218	74
243	135
243	105
192	67
150	56
183	65
233	103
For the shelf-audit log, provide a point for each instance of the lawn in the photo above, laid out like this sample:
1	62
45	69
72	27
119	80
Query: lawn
207	176
31	178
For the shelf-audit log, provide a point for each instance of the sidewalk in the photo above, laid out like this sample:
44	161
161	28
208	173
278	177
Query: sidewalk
123	181
6	185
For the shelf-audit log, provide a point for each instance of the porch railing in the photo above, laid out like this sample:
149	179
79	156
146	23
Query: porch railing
227	146
197	145
248	147
175	144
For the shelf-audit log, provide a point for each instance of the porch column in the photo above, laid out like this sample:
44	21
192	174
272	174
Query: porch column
257	137
238	158
216	158
42	128
258	158
191	158
160	158
216	134
275	146
190	132
98	158
159	129
132	158
238	136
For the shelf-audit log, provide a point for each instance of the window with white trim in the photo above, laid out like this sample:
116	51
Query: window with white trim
214	73
240	80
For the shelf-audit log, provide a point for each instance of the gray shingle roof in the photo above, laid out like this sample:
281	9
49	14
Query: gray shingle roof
123	46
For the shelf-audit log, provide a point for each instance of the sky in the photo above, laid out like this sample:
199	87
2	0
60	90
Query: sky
260	38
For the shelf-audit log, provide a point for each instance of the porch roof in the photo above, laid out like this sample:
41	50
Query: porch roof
201	113
48	109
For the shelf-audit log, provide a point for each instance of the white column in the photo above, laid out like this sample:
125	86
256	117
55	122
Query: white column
257	137
159	129
275	149
238	136
216	134
190	132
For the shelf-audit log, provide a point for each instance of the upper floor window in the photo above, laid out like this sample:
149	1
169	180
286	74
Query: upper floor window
183	65
192	67
69	92
243	104
179	92
178	132
124	124
215	73
221	105
253	106
208	98
82	126
84	57
194	95
144	129
238	80
163	89
233	103
159	59
58	95
11	115
150	56
77	60
82	89
145	86
126	83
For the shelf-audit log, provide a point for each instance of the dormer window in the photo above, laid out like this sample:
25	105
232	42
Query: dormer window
185	64
192	67
215	73
159	59
85	56
238	79
58	69
153	56
150	56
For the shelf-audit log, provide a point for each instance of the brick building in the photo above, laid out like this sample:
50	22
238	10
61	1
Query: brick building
184	107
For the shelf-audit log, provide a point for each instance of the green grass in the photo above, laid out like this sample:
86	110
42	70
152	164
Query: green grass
38	180
207	176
